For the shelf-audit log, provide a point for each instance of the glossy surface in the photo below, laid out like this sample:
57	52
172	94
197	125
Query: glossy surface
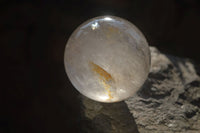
107	59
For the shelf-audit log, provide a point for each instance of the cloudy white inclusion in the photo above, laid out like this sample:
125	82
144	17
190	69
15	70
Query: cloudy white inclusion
94	25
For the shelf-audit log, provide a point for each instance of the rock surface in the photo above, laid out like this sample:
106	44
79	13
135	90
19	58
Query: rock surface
168	102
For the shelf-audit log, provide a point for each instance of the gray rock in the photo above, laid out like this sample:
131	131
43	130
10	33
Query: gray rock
106	118
168	102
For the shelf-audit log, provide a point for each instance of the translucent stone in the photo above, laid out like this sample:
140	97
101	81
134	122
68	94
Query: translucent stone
107	59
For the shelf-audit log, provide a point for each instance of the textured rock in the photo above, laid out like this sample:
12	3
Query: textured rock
106	118
168	102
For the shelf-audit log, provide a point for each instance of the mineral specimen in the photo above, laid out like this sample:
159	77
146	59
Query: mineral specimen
107	59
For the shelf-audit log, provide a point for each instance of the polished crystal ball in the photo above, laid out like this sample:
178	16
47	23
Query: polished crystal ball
107	59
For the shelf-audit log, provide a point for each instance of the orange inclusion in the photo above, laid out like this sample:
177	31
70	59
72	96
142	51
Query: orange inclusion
101	72
104	76
111	31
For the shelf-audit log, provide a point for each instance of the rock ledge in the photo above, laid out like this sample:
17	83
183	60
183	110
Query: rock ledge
168	102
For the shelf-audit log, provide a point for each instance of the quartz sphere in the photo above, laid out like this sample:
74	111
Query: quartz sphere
107	59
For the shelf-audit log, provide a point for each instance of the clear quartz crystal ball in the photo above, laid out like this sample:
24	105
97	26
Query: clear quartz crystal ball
107	59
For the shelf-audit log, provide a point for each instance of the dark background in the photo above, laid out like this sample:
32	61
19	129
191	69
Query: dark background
35	94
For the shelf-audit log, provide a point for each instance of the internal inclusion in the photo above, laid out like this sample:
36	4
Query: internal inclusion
104	78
